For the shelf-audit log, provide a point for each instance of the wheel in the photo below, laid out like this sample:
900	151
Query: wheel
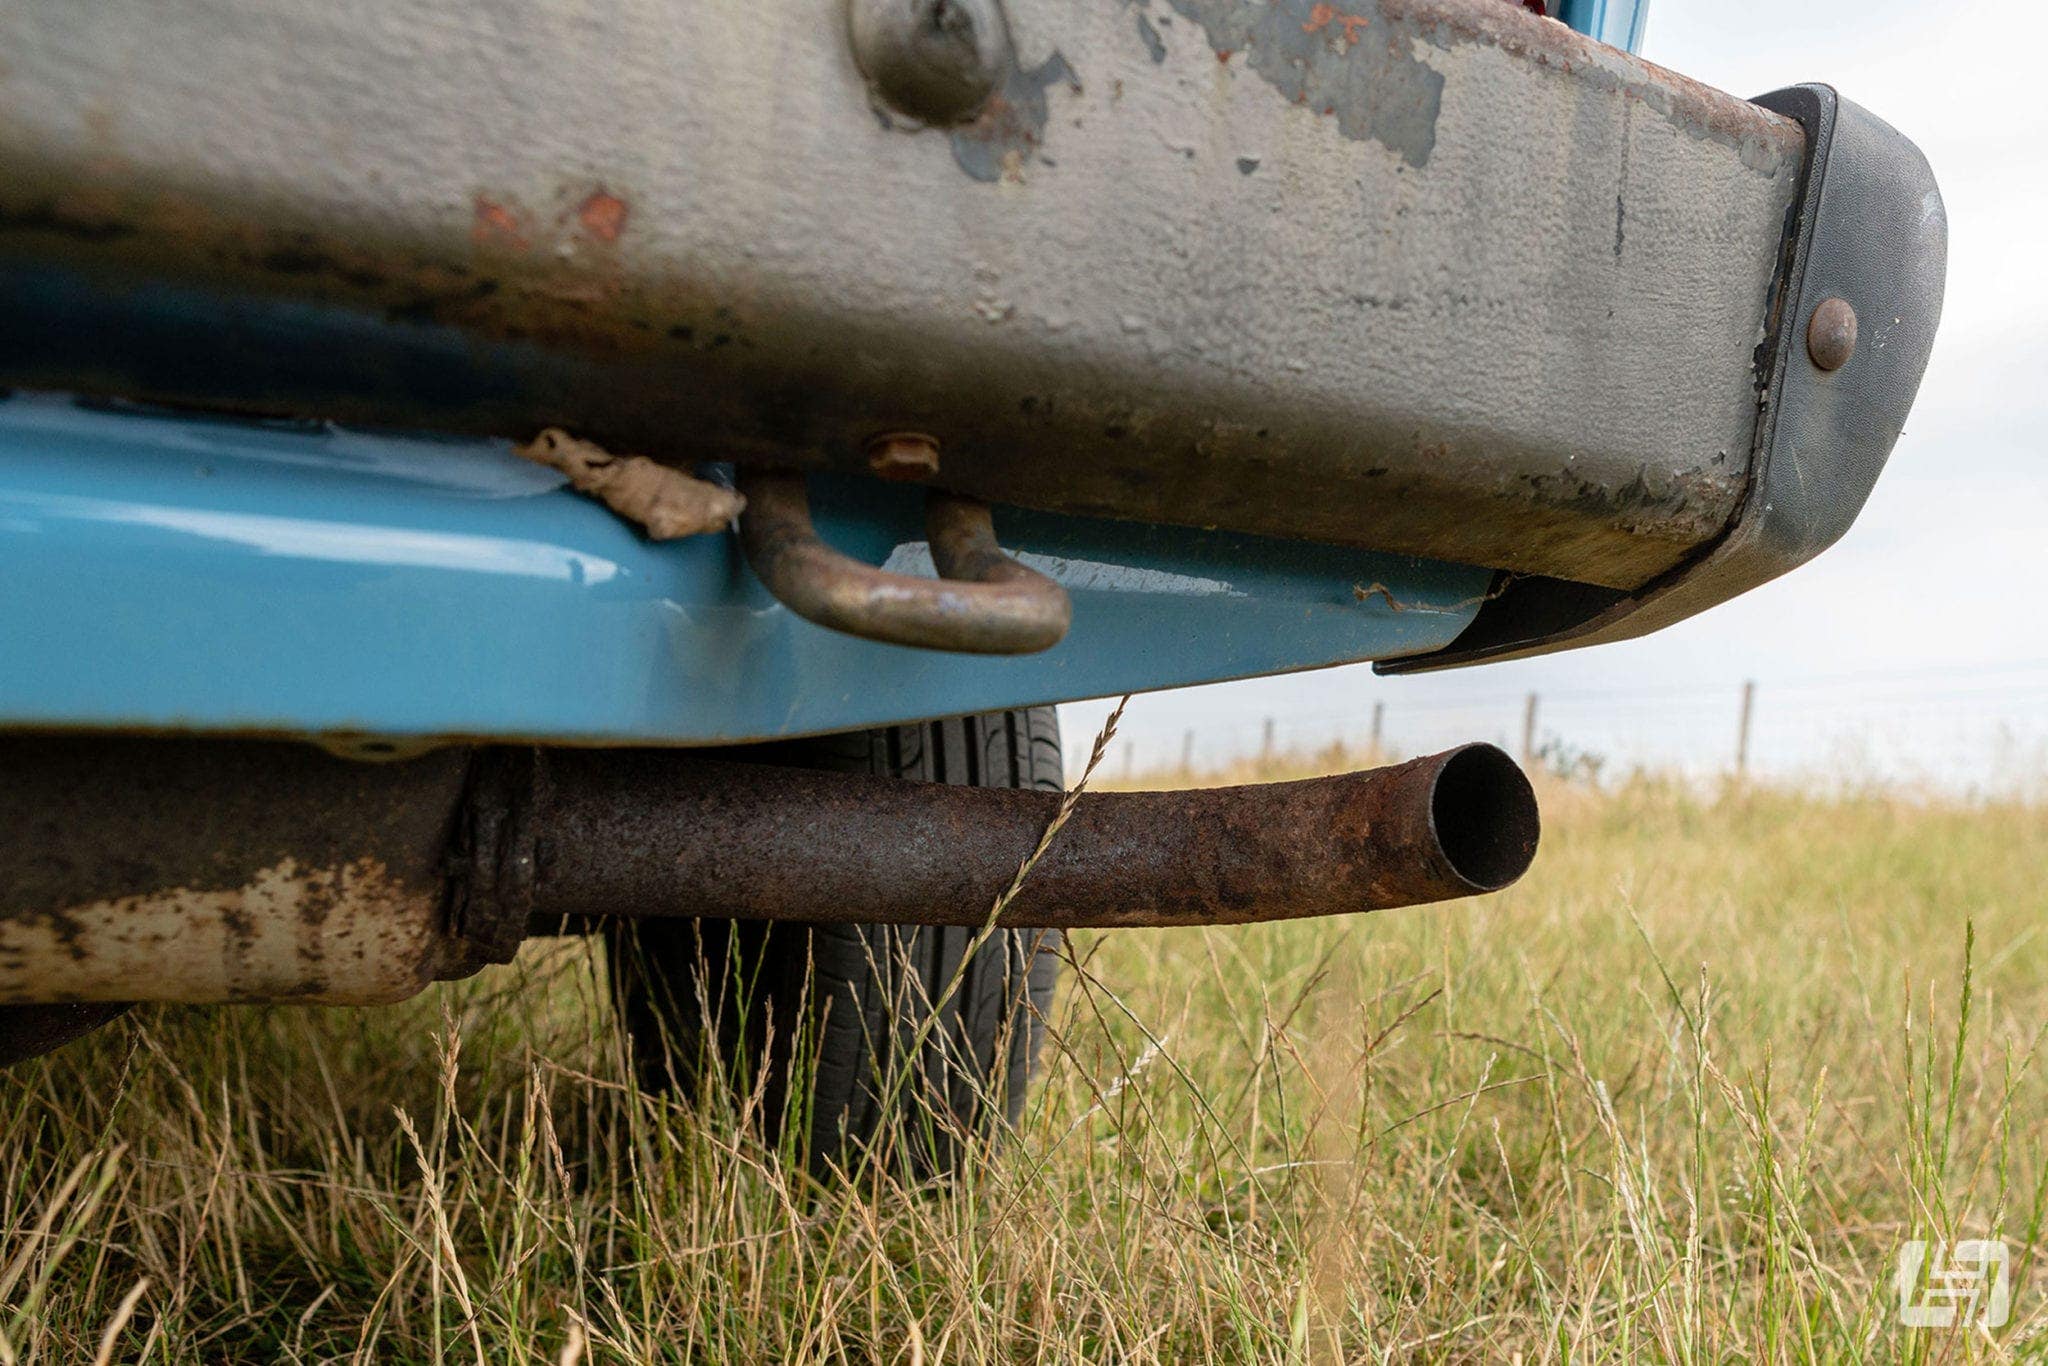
833	1024
31	1031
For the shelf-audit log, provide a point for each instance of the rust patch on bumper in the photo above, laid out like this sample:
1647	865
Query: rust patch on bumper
603	216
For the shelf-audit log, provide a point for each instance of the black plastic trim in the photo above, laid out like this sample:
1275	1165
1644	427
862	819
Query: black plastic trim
1868	226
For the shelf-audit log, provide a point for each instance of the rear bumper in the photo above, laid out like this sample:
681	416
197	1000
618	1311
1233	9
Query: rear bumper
1432	279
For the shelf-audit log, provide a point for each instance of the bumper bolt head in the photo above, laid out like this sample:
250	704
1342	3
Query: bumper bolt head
1831	334
935	61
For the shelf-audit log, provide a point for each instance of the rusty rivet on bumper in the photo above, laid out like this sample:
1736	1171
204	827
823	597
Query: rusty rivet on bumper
904	455
1831	334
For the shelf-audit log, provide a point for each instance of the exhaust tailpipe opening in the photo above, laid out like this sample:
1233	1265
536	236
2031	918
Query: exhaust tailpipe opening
1484	814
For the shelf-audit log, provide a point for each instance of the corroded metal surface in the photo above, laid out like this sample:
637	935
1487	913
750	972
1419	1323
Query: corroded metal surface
653	834
341	935
172	870
983	602
1430	276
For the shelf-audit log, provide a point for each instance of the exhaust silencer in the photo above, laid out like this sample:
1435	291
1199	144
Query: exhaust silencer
653	835
217	870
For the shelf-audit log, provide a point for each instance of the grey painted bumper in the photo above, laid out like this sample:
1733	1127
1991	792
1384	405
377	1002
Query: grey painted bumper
1428	276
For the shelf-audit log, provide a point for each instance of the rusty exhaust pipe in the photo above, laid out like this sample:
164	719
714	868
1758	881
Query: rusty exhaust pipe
652	834
243	870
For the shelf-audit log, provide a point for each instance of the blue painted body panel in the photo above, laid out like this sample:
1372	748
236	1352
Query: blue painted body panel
202	574
1618	23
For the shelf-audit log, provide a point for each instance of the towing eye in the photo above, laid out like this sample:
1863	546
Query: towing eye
982	603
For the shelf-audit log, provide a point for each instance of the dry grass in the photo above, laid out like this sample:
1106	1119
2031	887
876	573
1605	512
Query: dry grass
1678	1096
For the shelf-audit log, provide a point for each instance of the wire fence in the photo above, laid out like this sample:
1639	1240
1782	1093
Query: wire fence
1968	731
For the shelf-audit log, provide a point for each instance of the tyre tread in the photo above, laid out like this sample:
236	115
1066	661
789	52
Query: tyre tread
878	978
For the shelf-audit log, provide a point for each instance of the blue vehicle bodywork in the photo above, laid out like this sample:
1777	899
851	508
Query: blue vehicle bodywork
205	574
1617	23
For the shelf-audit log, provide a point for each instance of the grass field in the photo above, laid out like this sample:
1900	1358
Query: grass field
1679	1096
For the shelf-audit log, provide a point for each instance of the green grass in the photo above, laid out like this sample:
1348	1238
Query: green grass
1677	1096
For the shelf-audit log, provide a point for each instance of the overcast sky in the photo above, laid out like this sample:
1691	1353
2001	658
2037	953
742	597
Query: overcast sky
1943	569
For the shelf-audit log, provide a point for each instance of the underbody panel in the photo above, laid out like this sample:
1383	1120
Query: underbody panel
181	573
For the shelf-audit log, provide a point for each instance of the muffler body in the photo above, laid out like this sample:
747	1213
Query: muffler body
221	870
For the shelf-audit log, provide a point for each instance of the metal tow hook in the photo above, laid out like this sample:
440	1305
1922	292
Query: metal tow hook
983	601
